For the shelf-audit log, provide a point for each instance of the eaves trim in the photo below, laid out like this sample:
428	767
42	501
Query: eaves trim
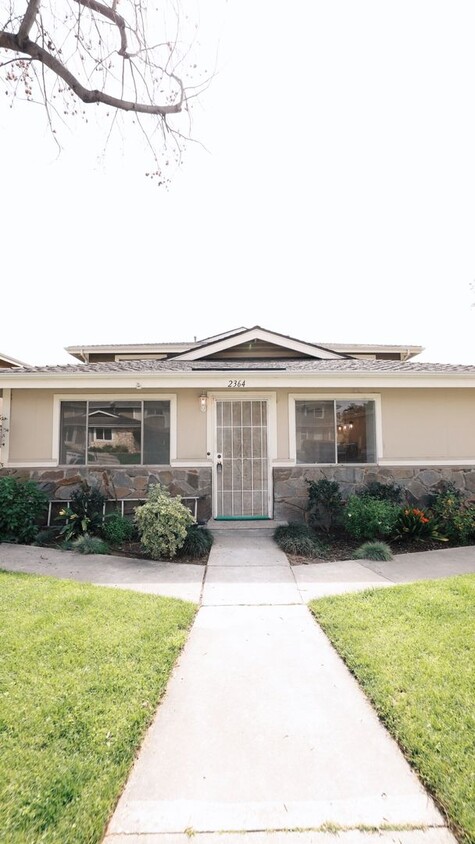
220	378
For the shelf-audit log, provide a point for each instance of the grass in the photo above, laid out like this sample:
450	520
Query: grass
82	669
373	551
412	648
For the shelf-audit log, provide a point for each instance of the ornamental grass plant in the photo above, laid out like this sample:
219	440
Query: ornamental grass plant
373	551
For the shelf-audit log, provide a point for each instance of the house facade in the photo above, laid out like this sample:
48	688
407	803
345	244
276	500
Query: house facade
239	421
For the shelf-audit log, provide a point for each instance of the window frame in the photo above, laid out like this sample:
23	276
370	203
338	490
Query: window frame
334	397
110	397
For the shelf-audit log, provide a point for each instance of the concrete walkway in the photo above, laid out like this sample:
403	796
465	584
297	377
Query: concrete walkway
263	736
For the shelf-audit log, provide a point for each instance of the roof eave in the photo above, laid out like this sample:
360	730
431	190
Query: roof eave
218	380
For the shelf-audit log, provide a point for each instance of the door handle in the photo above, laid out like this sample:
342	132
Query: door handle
219	463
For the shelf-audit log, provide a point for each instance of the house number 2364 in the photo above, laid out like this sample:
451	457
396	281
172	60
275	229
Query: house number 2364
232	383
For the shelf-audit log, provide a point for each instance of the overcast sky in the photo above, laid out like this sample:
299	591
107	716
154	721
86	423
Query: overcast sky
336	201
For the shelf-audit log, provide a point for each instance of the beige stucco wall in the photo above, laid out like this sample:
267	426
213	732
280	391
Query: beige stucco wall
428	424
191	426
31	425
418	424
282	414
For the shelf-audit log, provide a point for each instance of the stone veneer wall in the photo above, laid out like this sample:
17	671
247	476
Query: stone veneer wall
290	489
124	482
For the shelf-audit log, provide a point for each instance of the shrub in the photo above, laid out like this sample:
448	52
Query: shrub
198	542
456	518
162	523
294	529
22	507
325	504
373	551
84	512
118	529
46	536
299	539
382	492
86	544
414	523
370	518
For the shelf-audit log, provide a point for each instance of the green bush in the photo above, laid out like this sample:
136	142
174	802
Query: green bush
118	529
162	523
456	518
370	518
23	506
373	551
325	504
382	492
197	544
46	536
298	539
293	529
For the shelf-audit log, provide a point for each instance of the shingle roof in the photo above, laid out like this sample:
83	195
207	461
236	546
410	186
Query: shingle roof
289	365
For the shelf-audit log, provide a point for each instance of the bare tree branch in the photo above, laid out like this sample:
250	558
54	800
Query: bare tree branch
113	16
142	60
28	20
8	41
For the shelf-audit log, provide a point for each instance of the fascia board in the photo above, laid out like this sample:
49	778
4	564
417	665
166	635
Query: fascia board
256	379
129	348
147	348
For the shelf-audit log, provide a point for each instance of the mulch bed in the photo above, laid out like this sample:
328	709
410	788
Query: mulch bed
135	550
342	548
337	547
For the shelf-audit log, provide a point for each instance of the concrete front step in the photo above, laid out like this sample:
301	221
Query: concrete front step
268	525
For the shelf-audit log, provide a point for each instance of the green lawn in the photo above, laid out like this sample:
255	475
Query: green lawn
412	648
81	671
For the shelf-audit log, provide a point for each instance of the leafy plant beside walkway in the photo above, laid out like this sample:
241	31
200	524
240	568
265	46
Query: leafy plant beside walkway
375	515
82	671
412	648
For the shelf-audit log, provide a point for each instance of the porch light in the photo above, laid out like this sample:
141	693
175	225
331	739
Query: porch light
203	402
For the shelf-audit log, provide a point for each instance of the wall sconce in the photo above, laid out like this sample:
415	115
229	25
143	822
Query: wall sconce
203	402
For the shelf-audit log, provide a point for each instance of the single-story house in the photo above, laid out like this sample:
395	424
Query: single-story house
238	421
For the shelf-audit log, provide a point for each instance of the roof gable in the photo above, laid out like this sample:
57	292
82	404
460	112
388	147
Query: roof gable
248	341
6	362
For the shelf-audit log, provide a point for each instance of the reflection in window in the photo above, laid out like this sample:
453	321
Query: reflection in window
335	431
118	432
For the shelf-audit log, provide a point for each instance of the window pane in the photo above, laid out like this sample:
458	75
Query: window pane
315	431
156	432
115	432
356	431
73	432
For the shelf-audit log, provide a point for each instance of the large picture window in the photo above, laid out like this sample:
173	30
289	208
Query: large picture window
121	432
335	431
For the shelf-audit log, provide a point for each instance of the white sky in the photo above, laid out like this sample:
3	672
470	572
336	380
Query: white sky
336	202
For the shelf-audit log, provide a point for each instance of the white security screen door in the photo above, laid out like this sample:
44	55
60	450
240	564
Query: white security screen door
242	468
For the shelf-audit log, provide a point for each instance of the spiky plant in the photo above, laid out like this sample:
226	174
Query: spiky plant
373	551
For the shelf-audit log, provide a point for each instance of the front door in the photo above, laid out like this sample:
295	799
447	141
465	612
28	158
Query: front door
242	465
